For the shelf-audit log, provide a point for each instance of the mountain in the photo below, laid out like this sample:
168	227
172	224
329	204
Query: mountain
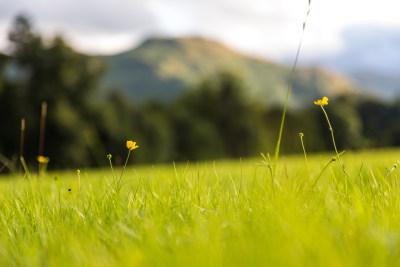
164	68
383	86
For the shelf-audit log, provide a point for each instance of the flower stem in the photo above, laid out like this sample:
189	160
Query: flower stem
305	154
337	154
333	137
112	169
123	170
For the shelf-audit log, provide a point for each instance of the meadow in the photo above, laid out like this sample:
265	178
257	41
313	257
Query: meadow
223	213
327	209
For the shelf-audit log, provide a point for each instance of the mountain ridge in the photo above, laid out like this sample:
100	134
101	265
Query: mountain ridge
164	68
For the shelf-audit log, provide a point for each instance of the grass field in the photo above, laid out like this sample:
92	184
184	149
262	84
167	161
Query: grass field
227	213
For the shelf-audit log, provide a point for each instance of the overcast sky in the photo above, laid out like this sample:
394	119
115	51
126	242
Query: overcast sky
267	28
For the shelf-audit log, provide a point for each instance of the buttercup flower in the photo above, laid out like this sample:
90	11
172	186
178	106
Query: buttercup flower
42	159
131	145
322	102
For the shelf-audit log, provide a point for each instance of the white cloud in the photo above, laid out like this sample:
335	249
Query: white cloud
269	28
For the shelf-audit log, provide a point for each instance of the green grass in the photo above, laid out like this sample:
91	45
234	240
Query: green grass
230	213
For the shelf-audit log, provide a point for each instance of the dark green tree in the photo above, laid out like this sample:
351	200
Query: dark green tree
347	122
65	79
217	119
9	112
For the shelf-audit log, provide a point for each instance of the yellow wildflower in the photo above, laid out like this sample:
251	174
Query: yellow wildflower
131	145
42	159
322	102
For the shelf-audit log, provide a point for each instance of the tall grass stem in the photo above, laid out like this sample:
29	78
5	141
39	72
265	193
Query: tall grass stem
42	130
21	144
42	127
278	144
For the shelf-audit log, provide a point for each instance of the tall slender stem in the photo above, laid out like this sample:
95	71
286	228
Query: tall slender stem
119	182
21	147
305	154
337	154
333	136
42	127
126	162
278	144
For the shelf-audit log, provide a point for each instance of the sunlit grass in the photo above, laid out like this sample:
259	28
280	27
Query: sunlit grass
227	213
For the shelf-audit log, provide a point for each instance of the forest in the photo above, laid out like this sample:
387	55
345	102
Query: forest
214	119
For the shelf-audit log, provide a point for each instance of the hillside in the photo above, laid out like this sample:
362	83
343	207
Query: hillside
164	68
383	86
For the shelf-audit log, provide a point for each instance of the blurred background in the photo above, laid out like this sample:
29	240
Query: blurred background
193	80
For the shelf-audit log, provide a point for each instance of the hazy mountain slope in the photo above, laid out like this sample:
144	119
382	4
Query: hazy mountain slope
164	68
381	86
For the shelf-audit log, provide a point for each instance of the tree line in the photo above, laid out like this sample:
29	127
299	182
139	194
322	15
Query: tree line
214	119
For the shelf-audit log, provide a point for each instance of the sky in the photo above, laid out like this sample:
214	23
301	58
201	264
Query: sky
263	28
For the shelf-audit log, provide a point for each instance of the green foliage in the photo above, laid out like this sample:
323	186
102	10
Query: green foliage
219	117
348	122
65	79
380	123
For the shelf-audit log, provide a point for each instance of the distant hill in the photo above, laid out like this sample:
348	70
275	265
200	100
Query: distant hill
164	68
381	86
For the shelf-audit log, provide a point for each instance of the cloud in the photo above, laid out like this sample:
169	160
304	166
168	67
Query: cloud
367	48
106	23
373	48
267	28
237	24
256	27
87	15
